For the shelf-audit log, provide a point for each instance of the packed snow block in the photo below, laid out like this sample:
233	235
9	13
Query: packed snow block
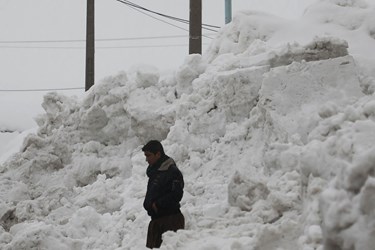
284	191
245	28
216	100
7	217
367	198
47	153
319	49
291	95
59	112
192	67
369	106
12	191
371	28
337	143
236	92
347	206
145	76
101	116
244	192
94	119
88	166
103	195
5	237
40	235
152	118
357	175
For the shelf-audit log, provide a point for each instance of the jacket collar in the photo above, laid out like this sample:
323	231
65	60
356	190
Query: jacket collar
163	164
166	164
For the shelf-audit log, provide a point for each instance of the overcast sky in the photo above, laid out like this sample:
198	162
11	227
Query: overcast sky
51	20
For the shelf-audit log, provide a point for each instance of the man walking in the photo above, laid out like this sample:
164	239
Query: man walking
164	193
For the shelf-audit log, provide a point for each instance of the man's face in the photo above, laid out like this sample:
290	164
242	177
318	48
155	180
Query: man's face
152	158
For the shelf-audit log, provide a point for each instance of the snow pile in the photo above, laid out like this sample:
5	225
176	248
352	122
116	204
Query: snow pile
351	20
275	144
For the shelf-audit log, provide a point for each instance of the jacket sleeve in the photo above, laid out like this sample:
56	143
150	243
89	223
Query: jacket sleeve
152	187
172	198
147	206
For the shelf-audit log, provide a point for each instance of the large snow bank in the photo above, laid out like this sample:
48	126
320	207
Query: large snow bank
275	143
351	20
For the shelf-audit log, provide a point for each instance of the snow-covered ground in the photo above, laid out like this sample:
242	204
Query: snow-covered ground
273	129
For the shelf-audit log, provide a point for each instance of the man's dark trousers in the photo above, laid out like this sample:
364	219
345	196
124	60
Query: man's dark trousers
161	225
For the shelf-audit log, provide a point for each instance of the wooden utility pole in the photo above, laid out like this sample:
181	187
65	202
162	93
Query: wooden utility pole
195	27
90	45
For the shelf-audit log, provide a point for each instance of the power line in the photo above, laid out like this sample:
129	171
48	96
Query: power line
35	90
123	38
154	17
39	47
163	15
42	41
101	47
139	8
162	20
97	40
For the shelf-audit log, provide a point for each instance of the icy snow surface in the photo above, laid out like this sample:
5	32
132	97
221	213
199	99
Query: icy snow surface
273	129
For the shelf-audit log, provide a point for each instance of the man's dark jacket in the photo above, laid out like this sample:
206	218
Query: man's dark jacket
164	188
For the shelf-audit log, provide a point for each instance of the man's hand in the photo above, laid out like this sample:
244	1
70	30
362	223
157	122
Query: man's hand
154	207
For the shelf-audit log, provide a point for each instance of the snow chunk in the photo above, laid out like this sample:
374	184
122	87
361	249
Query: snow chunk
94	119
190	70
244	192
145	75
349	3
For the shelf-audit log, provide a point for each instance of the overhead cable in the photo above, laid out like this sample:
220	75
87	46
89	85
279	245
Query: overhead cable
154	17
99	47
34	90
140	8
163	15
97	40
